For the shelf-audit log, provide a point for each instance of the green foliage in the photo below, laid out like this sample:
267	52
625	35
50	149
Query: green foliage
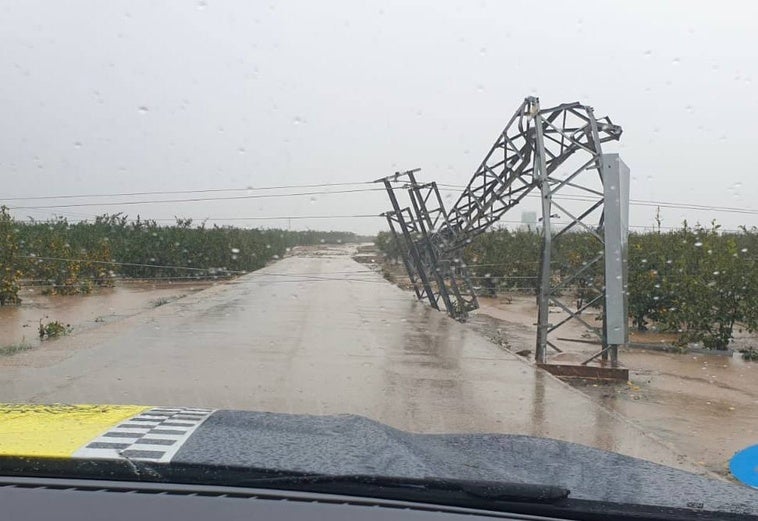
9	264
12	349
389	246
698	282
53	329
504	260
70	258
579	255
713	287
695	281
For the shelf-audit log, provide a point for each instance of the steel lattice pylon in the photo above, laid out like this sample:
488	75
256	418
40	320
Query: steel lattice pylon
434	274
550	151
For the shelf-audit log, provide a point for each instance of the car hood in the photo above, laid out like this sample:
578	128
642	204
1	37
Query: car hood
349	444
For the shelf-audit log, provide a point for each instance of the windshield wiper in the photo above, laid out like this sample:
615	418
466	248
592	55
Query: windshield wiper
451	492
517	498
444	491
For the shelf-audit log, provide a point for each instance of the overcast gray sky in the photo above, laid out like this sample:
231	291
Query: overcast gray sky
107	97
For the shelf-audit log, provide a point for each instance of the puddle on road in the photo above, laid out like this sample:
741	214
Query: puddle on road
18	324
704	405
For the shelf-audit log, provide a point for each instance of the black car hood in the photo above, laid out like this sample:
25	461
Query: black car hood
349	445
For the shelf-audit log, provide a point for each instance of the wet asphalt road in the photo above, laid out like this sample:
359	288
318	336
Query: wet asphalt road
318	333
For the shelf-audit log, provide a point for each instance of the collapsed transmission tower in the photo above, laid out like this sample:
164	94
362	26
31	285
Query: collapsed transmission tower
555	152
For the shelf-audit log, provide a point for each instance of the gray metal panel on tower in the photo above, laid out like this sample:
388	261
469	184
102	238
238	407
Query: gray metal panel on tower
616	191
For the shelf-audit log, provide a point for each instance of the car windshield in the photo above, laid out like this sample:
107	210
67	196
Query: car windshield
445	217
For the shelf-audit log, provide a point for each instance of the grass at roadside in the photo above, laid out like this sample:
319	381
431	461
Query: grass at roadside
161	301
12	349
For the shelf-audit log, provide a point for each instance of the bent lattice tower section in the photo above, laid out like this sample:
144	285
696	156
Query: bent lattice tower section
555	153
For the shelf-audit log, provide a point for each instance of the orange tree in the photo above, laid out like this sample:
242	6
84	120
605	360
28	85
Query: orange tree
698	282
504	259
10	271
715	287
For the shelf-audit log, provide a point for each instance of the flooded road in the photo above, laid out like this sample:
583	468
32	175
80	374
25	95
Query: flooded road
18	324
318	333
704	405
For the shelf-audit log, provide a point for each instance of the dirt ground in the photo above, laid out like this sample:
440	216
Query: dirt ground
18	324
704	405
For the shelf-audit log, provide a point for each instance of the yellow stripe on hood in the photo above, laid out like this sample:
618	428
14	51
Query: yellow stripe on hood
56	430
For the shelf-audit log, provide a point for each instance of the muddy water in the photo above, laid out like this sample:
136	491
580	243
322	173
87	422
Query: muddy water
318	333
18	324
704	405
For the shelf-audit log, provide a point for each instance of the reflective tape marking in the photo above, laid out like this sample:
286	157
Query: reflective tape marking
153	435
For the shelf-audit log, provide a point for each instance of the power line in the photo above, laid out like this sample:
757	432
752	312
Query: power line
504	277
196	199
199	278
279	217
86	217
643	202
169	192
635	202
116	263
230	282
190	268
